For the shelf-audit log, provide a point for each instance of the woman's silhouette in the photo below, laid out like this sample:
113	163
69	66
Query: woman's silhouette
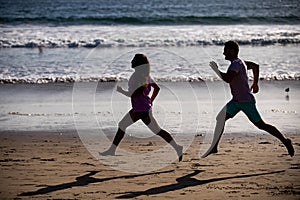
139	87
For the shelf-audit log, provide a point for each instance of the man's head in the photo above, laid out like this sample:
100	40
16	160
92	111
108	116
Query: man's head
231	50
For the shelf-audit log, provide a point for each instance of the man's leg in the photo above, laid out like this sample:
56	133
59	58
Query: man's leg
252	113
219	130
276	133
155	128
127	120
222	117
227	112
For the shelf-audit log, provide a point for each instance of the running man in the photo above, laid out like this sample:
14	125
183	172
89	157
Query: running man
243	99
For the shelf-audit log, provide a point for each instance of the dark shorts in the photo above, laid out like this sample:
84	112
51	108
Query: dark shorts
249	108
131	117
139	115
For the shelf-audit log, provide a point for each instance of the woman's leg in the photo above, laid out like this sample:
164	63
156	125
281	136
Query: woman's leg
152	124
127	120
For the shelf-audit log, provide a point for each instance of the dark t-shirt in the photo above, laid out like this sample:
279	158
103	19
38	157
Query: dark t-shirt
239	86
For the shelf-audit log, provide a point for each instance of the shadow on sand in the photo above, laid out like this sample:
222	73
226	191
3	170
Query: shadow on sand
83	181
185	182
182	182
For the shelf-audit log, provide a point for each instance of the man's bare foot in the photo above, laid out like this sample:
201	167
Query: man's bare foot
289	146
108	152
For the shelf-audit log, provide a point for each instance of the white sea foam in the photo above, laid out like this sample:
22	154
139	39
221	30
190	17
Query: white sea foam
145	36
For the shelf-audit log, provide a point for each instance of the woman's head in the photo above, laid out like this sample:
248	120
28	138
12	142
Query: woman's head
139	59
141	65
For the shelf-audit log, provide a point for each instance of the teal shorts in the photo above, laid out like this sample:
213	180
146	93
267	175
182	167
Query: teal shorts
249	108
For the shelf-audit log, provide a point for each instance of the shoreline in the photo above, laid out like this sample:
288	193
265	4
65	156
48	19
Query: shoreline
112	80
61	106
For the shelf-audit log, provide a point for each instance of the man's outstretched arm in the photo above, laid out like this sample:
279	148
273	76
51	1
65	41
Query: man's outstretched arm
227	77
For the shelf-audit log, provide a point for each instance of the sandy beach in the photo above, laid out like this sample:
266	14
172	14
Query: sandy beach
44	156
47	165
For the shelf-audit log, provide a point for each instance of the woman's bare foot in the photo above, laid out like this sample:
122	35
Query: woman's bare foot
289	146
108	152
212	151
179	150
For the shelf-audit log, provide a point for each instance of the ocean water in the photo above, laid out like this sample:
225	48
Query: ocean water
65	58
140	12
58	41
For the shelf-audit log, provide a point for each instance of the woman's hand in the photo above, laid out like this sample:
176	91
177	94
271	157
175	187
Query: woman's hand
119	89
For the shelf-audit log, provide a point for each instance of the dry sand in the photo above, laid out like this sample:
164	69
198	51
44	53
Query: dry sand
45	165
